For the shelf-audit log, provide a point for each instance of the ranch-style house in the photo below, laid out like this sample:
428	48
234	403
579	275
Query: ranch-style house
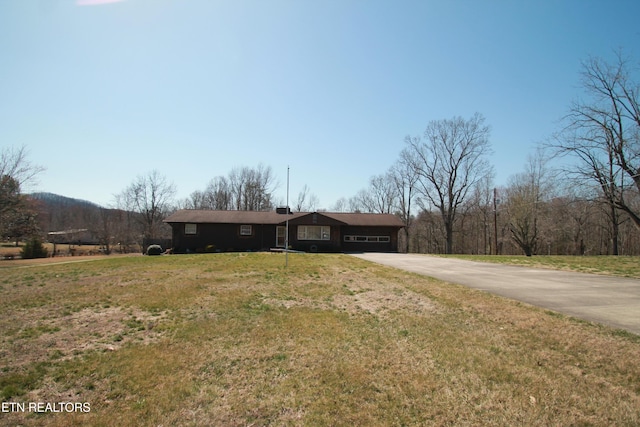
201	230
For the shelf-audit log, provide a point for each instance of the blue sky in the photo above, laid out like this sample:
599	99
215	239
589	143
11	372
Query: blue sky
102	93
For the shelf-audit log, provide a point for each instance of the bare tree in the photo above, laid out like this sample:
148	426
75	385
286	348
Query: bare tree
428	235
341	205
149	197
104	228
477	219
526	195
603	133
252	189
16	171
378	197
216	196
360	202
245	188
383	193
196	200
449	161
305	201
126	227
355	203
14	163
404	178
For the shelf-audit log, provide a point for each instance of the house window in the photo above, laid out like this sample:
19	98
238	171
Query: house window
314	232
246	230
368	239
190	228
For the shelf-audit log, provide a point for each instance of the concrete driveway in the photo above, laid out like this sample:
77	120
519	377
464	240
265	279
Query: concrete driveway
614	301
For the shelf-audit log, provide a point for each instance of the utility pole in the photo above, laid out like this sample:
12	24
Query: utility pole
286	235
495	220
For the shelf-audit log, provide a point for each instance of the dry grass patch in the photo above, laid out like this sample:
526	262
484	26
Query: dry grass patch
624	266
237	340
43	335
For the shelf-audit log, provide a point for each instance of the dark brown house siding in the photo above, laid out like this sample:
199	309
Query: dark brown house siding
223	237
369	239
199	231
333	244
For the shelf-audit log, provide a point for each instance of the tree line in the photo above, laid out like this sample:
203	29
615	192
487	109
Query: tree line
589	206
441	185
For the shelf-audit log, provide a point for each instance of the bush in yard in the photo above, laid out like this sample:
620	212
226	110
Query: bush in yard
34	249
154	250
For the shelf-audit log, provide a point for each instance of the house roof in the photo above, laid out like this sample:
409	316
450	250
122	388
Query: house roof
353	219
227	217
365	219
272	217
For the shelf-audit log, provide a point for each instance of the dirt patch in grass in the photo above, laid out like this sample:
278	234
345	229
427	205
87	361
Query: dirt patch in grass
382	301
43	336
378	302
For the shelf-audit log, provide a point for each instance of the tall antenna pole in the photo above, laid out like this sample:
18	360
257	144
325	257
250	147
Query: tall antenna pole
495	220
286	236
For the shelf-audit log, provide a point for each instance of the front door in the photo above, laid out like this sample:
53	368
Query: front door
281	233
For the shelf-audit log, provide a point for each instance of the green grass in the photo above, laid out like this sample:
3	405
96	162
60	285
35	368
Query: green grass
624	266
237	339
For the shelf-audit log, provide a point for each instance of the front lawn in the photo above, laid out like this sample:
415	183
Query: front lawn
238	340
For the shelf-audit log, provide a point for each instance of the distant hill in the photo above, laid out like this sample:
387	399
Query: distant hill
52	199
63	217
58	213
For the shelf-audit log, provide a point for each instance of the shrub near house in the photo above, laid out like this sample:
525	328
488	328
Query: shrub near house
154	250
34	249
